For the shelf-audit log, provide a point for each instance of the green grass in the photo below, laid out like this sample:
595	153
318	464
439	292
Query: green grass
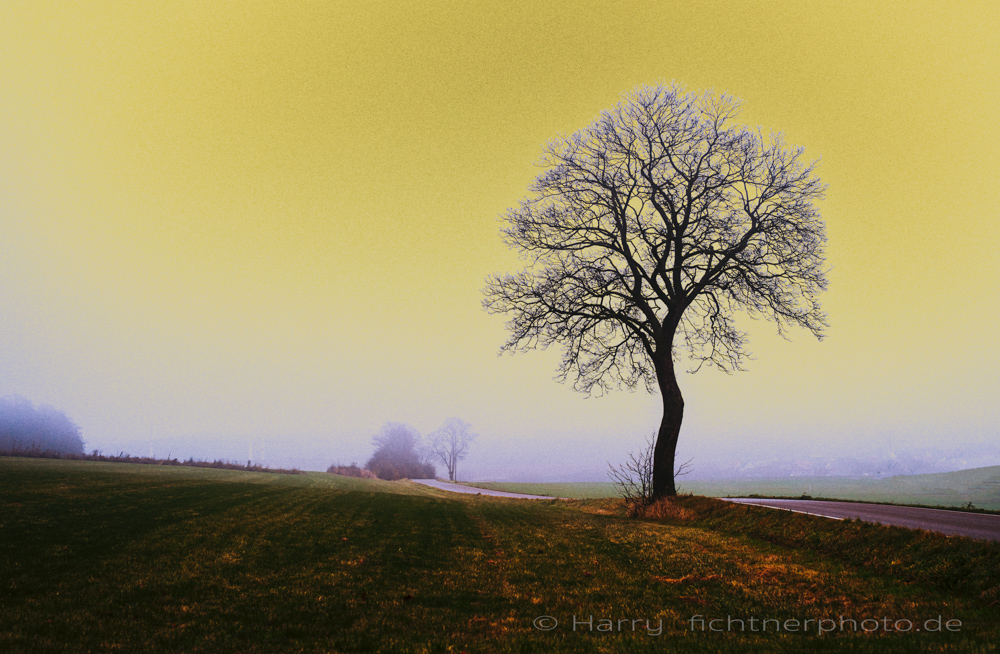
573	490
119	557
980	486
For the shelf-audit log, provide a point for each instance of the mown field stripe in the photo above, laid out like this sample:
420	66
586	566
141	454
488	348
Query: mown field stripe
210	560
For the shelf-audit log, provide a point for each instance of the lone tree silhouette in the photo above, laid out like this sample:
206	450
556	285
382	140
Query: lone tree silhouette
646	232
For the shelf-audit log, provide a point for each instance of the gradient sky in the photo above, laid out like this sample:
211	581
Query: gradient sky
225	223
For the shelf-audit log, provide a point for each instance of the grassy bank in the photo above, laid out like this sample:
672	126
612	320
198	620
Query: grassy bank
119	557
979	486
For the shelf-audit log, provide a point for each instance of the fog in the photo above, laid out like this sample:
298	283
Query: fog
531	428
262	235
792	407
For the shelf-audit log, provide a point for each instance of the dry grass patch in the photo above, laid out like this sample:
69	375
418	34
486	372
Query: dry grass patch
667	508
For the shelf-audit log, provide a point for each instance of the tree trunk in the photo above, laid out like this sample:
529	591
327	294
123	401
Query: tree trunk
670	428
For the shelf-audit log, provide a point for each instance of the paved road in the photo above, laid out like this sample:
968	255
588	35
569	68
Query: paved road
984	526
458	488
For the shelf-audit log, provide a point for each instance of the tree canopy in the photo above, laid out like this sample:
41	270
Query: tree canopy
646	232
23	426
398	454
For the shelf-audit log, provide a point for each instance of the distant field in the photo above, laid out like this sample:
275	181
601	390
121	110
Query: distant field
980	486
118	557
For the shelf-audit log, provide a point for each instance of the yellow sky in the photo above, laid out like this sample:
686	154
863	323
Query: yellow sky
242	219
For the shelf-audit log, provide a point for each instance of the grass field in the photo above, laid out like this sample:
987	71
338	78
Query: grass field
980	486
129	558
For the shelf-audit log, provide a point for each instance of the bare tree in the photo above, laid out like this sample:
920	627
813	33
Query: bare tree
451	444
634	479
646	232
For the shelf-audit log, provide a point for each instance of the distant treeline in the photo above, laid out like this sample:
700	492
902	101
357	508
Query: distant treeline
24	427
38	453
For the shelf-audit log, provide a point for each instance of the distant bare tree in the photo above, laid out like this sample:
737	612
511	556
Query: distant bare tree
656	223
451	444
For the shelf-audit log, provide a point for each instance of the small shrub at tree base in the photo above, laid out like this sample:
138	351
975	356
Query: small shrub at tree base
633	480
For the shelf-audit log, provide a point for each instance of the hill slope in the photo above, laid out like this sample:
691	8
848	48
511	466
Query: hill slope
980	486
99	557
